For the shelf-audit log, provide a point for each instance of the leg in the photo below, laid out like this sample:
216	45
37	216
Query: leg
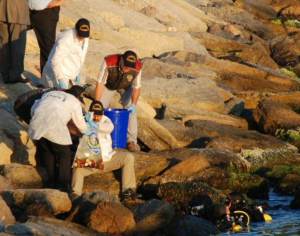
63	156
78	178
4	51
132	124
124	160
18	44
44	24
46	159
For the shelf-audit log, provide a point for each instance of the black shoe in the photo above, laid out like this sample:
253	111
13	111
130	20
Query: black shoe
130	195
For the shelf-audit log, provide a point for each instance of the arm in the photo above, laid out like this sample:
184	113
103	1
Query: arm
55	3
78	118
106	126
101	81
135	95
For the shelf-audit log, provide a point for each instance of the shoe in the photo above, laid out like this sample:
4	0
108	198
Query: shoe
18	80
130	195
133	147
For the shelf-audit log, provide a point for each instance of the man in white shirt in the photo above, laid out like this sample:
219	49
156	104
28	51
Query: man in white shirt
67	56
122	73
52	116
44	15
112	160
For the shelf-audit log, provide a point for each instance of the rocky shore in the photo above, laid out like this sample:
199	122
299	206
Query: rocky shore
219	114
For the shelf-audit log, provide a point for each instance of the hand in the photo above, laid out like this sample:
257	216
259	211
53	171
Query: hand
132	109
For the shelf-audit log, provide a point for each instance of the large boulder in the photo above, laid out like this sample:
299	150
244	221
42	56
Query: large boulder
152	216
36	226
22	176
39	202
191	226
5	184
6	215
105	217
278	112
16	144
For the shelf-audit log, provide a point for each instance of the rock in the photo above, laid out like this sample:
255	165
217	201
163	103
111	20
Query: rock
227	49
194	162
289	184
39	202
152	216
167	87
17	147
106	217
22	176
285	50
5	184
278	112
49	226
295	204
191	226
289	9
255	147
146	165
180	194
6	216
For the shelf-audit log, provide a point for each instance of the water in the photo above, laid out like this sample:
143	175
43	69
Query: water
285	220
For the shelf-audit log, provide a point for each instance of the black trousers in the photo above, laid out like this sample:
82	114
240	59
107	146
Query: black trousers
44	24
57	160
12	50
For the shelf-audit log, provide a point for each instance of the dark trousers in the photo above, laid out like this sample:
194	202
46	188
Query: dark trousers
12	50
44	24
57	160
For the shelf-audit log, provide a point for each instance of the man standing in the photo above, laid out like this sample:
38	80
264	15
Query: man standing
44	15
67	56
54	116
14	21
107	159
122	73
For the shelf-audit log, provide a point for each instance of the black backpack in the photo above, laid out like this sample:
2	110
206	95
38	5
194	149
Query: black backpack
24	102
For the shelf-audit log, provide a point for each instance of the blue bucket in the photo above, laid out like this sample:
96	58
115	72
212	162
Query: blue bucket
119	118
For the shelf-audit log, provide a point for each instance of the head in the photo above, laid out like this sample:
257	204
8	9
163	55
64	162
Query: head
128	61
77	91
98	110
82	27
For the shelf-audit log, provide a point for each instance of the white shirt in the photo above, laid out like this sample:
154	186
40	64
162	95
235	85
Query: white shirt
105	127
65	60
51	114
38	4
103	74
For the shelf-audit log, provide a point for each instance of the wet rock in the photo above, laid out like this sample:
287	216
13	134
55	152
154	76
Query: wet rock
191	226
146	165
22	176
180	194
105	217
295	204
289	184
49	226
38	202
6	216
152	216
